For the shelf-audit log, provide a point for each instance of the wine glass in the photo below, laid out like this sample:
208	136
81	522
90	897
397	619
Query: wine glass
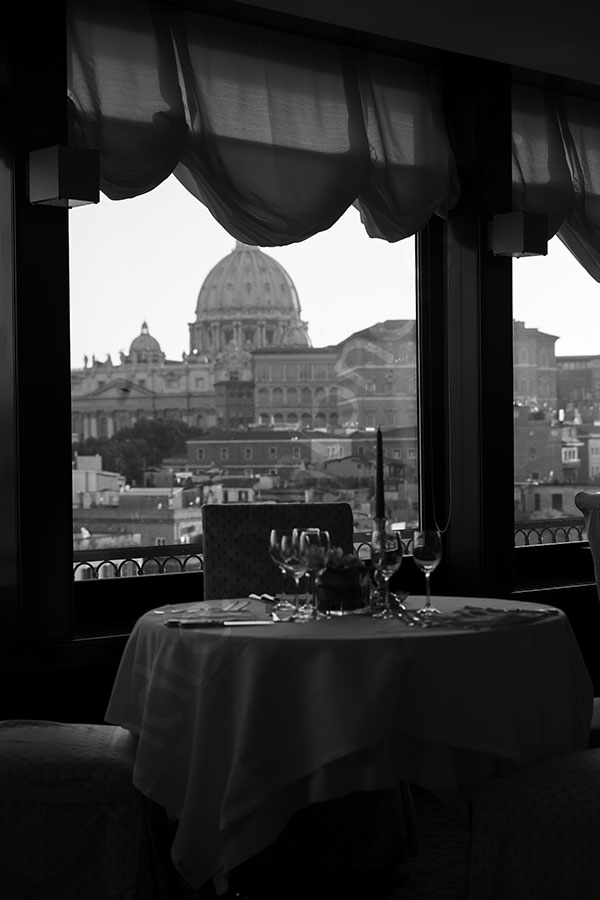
275	538
295	563
284	609
427	553
386	555
314	544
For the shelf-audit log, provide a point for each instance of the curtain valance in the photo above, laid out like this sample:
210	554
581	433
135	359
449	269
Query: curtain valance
556	167
276	134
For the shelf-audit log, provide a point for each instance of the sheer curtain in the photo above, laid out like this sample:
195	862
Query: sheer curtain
276	134
556	167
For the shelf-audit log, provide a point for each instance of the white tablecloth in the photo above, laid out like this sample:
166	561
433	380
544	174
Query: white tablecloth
241	727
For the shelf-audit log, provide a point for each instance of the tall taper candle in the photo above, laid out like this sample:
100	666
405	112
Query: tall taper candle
379	498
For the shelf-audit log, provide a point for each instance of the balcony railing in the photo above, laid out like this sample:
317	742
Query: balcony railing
549	531
126	562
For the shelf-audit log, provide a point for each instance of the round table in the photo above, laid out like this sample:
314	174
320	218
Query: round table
241	727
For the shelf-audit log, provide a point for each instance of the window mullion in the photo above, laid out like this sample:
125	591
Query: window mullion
469	389
35	518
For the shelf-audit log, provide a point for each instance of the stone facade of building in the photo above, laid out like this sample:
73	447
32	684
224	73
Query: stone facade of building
251	370
535	368
251	363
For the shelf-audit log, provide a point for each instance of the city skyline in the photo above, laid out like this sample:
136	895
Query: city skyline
145	260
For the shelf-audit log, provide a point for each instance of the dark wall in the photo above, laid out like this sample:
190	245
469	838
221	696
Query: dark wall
65	684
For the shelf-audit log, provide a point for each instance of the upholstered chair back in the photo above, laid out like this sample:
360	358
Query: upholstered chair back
588	502
73	825
236	542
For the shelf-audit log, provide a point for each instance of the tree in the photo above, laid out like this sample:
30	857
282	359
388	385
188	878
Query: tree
146	443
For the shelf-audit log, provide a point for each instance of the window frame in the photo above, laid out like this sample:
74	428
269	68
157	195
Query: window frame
465	371
34	115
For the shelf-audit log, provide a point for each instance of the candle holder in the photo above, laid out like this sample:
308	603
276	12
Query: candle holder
376	597
379	487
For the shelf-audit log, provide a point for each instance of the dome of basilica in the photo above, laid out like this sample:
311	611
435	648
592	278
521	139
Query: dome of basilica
247	281
144	342
249	301
145	348
295	336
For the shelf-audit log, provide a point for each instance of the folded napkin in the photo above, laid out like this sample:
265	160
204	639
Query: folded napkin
476	617
199	616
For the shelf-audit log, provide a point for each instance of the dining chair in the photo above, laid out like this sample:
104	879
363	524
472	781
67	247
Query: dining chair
72	824
236	542
535	832
588	502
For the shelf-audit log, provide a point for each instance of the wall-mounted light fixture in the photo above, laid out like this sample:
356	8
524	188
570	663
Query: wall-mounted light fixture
64	176
519	234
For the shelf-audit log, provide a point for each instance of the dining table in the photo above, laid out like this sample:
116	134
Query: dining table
241	725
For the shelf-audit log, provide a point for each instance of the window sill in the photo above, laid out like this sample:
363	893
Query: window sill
548	567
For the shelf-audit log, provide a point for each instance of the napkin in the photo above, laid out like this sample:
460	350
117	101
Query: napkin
205	616
476	617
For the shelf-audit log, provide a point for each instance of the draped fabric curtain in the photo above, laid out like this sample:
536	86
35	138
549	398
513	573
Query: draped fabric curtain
556	167
276	134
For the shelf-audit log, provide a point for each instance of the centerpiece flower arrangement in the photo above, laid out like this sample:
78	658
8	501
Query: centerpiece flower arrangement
343	581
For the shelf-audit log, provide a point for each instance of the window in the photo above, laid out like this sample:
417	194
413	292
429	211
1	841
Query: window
556	397
569	454
326	386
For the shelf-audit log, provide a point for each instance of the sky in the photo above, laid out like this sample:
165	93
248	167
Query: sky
145	260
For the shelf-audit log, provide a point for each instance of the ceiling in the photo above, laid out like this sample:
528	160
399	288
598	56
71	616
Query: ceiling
557	38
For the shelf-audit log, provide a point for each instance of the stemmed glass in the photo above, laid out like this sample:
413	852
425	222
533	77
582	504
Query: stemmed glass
314	544
279	541
386	555
427	553
275	538
295	563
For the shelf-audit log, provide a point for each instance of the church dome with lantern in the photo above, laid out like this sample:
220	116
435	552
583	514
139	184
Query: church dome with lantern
247	300
145	348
